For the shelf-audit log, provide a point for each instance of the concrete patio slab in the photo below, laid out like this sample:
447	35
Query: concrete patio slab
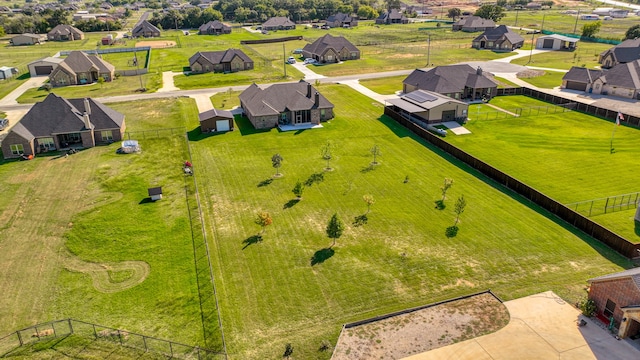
456	128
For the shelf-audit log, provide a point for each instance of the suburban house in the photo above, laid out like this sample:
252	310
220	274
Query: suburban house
214	27
278	23
58	123
455	81
473	24
79	68
429	107
556	42
328	49
285	104
43	66
231	60
215	120
392	16
626	51
579	78
500	38
622	80
145	29
618	296
64	33
28	39
342	20
7	72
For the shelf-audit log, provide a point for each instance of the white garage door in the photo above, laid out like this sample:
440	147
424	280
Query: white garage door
222	125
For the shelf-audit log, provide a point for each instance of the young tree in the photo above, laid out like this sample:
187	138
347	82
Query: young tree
101	81
591	29
453	13
369	200
298	190
492	12
288	351
445	187
263	219
375	151
276	161
335	228
633	32
326	154
461	203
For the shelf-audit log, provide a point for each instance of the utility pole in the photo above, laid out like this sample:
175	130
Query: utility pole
542	26
428	49
576	24
533	45
516	24
284	60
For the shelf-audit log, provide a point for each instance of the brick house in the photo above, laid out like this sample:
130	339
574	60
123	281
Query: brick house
473	23
279	23
231	60
625	52
342	20
214	27
618	295
460	82
58	123
79	68
64	33
498	39
392	16
331	49
145	29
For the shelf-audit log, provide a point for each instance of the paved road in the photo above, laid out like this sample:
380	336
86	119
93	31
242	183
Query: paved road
620	4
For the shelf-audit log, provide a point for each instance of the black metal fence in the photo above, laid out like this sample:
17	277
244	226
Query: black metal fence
581	222
62	328
606	205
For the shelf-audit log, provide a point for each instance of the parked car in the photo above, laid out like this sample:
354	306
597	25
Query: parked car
608	18
265	32
297	51
324	27
4	123
291	60
310	61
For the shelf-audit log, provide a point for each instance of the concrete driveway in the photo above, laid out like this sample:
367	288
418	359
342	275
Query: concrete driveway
542	326
306	70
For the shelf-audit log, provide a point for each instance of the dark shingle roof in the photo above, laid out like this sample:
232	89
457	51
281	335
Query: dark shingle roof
278	98
448	79
78	61
496	34
340	17
329	42
583	75
624	75
278	21
388	16
215	24
64	30
215	113
475	22
219	57
626	51
144	26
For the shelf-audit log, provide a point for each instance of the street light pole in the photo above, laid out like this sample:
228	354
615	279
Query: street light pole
533	34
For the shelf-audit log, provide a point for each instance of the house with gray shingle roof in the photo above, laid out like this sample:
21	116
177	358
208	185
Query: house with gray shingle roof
79	68
392	16
330	49
579	78
617	296
626	51
278	23
58	123
473	24
285	104
498	39
231	60
64	33
456	81
622	80
145	29
429	107
342	20
214	27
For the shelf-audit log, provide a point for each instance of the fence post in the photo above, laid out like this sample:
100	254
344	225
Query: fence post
53	326
120	337
605	206
590	209
19	338
171	348
144	340
95	334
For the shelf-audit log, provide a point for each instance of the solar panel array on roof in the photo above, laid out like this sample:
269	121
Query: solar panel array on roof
419	96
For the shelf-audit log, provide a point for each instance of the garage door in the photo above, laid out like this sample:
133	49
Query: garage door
44	70
547	44
222	125
449	115
572	85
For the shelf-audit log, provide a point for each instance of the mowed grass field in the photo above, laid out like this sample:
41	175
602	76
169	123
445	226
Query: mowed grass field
291	287
88	211
565	155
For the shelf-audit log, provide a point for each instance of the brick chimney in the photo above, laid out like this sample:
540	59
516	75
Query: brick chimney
317	100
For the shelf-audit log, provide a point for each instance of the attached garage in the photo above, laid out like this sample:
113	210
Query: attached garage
574	85
216	121
43	67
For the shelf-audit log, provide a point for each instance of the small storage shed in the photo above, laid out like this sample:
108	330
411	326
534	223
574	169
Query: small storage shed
216	120
556	42
7	72
43	66
155	193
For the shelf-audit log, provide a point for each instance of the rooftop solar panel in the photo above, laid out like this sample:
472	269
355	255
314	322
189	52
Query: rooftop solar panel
419	96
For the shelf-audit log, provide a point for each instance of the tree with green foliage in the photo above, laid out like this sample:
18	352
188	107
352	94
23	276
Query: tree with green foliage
445	187
548	3
263	219
590	30
369	200
393	4
335	227
461	203
453	13
367	12
276	161
375	151
491	12
298	190
632	33
100	81
326	155
2	33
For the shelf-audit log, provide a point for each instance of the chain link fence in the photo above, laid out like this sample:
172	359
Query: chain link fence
606	205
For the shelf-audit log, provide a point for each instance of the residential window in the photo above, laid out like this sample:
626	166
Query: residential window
47	143
354	55
610	308
322	112
17	149
107	135
329	57
490	43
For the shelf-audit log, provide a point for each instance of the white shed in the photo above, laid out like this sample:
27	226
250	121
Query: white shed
7	72
556	42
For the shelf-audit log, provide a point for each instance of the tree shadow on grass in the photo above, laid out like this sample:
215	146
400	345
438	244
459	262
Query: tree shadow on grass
322	255
315	178
360	220
440	205
254	239
290	203
265	182
451	231
367	169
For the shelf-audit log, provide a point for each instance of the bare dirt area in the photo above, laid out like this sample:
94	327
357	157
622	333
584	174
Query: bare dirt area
158	44
423	330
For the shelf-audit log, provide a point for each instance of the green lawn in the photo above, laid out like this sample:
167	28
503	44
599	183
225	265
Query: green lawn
292	288
586	55
548	80
385	86
226	100
502	82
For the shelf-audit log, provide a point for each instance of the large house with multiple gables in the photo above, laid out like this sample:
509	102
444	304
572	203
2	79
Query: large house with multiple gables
214	27
279	23
625	52
342	20
79	68
622	80
498	39
285	104
331	49
64	33
617	300
392	16
145	29
460	82
58	123
231	60
473	24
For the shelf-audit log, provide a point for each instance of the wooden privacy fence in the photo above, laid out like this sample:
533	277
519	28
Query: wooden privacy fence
61	328
604	235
